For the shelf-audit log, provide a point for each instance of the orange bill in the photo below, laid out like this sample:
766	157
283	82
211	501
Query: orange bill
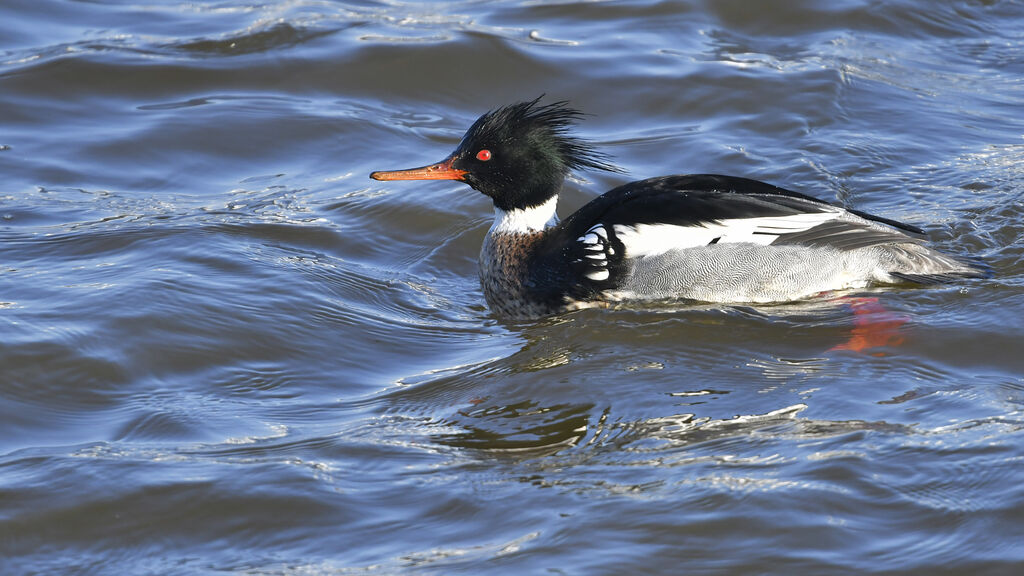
441	171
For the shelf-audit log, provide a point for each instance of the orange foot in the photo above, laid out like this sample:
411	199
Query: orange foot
873	326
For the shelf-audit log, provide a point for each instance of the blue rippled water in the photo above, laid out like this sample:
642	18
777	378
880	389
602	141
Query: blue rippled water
223	349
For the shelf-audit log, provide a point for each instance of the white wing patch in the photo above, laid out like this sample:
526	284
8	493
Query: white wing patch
596	250
655	239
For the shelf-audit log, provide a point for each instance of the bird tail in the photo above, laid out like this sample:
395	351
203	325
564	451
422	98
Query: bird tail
921	265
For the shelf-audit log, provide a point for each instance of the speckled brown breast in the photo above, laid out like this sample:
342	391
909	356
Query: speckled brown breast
504	275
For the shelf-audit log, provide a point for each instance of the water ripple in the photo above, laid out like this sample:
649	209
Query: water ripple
224	349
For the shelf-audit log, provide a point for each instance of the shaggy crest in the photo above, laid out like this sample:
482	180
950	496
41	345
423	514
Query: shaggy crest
547	126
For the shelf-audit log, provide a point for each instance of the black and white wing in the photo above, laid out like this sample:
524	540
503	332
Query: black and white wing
652	217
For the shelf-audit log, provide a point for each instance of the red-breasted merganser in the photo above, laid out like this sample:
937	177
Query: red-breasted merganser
701	237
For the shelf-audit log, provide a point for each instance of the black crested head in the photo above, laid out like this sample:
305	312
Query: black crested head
518	155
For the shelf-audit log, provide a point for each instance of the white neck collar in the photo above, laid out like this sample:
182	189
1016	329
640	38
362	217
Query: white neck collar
533	219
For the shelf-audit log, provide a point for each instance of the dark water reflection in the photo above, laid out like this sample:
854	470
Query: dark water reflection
224	350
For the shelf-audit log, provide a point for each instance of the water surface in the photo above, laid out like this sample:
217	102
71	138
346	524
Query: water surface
223	349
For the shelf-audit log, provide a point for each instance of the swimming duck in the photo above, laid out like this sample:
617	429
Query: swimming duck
701	237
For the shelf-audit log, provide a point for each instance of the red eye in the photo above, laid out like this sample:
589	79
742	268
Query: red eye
483	155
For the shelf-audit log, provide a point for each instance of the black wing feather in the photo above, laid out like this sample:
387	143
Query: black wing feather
689	200
692	200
